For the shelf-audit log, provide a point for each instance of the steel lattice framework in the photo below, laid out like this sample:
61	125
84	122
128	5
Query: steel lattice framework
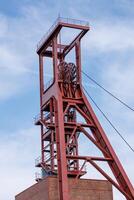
60	104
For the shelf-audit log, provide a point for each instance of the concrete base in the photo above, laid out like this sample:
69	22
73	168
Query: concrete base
83	189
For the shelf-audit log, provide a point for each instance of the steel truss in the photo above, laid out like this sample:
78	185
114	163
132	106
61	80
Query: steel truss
60	128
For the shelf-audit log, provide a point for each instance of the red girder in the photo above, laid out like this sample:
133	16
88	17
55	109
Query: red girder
60	129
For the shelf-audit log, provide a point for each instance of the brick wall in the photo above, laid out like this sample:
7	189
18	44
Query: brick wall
83	189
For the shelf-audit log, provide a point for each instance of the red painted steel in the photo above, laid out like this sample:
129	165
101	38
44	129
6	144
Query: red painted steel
60	104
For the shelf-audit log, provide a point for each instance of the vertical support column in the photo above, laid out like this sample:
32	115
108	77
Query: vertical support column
60	134
41	77
78	59
55	58
52	150
61	150
41	93
77	153
52	136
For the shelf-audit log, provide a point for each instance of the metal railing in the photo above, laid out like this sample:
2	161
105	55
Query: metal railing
73	21
38	176
38	160
47	34
57	21
38	117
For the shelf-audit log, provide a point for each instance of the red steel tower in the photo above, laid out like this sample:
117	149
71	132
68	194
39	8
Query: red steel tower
61	104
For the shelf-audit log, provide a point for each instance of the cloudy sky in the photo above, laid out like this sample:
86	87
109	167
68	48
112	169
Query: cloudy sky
107	56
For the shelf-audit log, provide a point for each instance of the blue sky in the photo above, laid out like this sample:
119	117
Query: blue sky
107	56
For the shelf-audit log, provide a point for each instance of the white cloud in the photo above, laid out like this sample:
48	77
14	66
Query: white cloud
106	36
17	154
18	40
126	5
3	25
118	77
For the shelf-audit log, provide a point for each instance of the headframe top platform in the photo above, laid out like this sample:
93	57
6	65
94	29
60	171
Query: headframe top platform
57	26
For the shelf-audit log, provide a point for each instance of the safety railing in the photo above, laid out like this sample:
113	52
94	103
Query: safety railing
38	160
38	117
73	21
58	20
47	34
38	176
